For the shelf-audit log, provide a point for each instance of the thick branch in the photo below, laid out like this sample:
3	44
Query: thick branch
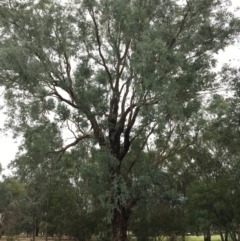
141	148
127	142
122	60
80	104
68	67
183	22
86	135
56	93
62	150
131	203
100	49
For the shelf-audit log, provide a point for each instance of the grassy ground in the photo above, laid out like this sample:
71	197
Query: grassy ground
200	238
24	238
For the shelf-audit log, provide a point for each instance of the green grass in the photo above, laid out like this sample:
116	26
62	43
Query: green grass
200	238
190	238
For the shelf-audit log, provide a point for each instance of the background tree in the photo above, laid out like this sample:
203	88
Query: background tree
12	194
34	167
214	162
54	202
4	202
122	76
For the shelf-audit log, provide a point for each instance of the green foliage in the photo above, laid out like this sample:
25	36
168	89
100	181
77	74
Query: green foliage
215	163
12	192
6	196
11	238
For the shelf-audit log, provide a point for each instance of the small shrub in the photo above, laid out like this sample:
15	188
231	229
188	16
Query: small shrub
10	238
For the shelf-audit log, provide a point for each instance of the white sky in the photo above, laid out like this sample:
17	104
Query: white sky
9	146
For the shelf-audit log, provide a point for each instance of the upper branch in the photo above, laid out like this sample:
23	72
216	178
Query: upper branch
130	125
68	67
183	22
63	149
80	104
141	148
100	49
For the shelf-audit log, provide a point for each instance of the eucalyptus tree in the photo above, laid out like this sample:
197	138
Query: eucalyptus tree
69	208
123	77
11	191
54	200
6	198
163	217
214	166
35	166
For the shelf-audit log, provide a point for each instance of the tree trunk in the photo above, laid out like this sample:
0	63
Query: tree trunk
238	233
226	236
37	230
207	235
221	235
233	235
183	237
33	228
173	236
119	225
46	229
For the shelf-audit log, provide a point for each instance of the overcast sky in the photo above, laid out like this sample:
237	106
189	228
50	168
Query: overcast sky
9	146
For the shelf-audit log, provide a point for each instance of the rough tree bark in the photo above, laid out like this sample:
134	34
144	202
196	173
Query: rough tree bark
119	224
